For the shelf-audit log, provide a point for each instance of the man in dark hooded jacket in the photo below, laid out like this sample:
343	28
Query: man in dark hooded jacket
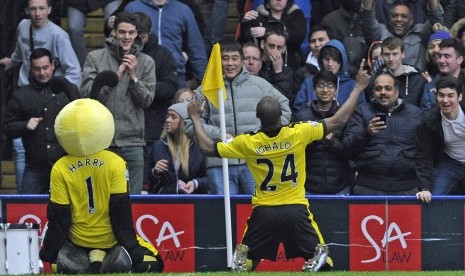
344	24
167	83
409	80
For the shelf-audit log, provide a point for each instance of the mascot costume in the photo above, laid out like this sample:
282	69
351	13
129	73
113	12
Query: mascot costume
90	224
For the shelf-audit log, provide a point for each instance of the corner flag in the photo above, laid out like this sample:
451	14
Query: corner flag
213	88
213	78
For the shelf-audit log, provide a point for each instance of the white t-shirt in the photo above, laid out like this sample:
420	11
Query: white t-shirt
313	60
454	136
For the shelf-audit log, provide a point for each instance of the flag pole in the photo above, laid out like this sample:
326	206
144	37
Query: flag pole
215	92
227	201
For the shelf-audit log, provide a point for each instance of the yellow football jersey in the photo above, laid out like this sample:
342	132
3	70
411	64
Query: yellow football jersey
86	183
277	163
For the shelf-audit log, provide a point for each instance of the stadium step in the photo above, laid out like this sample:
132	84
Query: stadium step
94	36
8	178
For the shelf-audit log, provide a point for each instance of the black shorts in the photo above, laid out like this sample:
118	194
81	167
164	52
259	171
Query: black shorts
293	225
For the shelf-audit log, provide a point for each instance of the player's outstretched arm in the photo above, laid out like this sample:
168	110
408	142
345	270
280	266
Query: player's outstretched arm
341	117
206	144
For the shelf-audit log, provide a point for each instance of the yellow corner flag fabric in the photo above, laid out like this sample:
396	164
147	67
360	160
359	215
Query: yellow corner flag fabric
213	78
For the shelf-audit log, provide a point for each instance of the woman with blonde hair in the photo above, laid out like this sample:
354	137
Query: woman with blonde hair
183	95
177	165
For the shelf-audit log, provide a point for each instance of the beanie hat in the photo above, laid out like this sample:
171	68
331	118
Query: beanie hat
439	35
181	109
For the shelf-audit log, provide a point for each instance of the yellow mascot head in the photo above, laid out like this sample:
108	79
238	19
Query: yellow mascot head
84	127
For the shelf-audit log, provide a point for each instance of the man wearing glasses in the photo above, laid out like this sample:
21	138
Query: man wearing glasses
327	168
380	138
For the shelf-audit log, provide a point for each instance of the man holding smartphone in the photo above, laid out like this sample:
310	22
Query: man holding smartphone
134	92
383	150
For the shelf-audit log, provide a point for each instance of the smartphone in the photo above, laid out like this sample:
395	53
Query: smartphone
382	116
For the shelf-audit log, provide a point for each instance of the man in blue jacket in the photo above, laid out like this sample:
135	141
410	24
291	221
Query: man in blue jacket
332	58
174	24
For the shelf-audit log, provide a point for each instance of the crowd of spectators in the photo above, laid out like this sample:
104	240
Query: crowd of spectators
304	53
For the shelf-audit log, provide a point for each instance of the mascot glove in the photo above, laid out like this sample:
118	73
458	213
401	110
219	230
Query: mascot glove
137	253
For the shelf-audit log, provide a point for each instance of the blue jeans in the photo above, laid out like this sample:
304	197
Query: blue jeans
181	80
218	19
76	25
240	180
134	157
19	155
448	176
36	180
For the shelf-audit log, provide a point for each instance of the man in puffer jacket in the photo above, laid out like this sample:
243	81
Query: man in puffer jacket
327	167
243	92
383	151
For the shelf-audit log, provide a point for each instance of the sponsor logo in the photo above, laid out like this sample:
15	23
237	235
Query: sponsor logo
385	239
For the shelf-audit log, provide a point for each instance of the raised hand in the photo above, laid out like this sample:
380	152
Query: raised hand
195	110
131	64
250	15
363	78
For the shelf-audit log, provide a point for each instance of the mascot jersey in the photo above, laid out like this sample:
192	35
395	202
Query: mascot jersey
86	183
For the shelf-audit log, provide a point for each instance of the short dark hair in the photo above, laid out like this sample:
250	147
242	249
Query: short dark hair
288	5
49	3
386	73
125	17
229	45
325	75
40	52
318	28
392	42
400	3
144	23
450	82
269	113
278	32
352	5
453	43
330	51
